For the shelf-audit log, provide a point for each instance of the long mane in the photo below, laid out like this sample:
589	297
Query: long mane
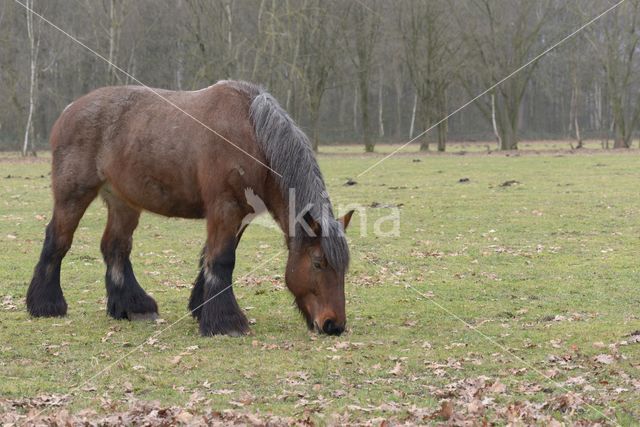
289	152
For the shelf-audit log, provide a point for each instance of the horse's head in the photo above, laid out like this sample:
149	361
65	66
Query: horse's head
315	275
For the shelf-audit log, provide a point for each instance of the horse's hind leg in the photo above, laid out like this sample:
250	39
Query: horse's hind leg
44	297
125	298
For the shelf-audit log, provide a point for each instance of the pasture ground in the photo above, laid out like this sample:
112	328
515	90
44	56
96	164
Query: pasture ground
500	303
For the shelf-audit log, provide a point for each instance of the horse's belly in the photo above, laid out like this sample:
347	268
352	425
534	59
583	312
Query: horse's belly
164	199
159	196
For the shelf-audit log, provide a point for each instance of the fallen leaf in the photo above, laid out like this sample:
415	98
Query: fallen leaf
445	412
498	387
397	370
605	359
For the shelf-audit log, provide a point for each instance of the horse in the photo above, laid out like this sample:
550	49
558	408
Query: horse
192	154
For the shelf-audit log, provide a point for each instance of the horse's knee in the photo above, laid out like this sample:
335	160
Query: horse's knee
56	241
115	251
219	268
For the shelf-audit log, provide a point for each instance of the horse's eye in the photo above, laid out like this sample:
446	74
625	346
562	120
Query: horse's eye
318	263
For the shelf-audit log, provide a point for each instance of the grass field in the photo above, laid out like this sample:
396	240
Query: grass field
506	303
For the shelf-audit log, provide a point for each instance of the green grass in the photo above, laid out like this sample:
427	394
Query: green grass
513	276
475	147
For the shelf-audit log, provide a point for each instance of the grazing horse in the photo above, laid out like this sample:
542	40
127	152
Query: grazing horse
192	155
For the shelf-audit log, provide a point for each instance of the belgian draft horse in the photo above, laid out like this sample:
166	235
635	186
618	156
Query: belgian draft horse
143	149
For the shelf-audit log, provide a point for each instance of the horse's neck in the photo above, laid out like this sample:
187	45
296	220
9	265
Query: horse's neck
277	205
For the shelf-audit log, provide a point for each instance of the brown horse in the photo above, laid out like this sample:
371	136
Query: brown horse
192	155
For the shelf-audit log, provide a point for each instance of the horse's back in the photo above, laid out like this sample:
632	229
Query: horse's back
159	149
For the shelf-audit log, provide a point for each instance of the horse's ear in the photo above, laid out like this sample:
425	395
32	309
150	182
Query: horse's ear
313	224
346	219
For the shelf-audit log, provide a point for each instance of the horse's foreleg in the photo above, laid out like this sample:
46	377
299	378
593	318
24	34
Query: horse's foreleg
125	297
44	297
219	311
197	294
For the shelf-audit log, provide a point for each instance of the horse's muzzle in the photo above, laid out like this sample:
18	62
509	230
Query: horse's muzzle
332	328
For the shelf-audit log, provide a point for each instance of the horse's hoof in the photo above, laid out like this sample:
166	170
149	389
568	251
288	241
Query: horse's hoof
132	306
231	331
47	309
237	333
142	316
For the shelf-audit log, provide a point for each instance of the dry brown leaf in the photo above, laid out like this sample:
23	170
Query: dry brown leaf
605	359
445	412
397	370
498	387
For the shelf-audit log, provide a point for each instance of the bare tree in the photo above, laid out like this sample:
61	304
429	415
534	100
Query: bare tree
318	35
430	56
215	51
362	33
116	11
33	32
576	97
345	70
616	43
500	40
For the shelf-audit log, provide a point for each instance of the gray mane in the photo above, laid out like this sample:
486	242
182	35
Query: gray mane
289	153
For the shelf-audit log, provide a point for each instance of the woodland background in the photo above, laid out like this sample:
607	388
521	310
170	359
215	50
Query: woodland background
363	71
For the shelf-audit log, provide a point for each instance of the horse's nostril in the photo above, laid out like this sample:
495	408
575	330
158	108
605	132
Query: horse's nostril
331	328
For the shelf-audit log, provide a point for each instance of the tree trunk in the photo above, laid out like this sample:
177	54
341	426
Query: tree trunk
112	42
413	115
364	111
398	87
509	138
493	121
355	110
424	144
508	118
116	18
575	102
620	140
260	32
33	80
231	67
443	127
380	109
316	134
442	136
578	136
